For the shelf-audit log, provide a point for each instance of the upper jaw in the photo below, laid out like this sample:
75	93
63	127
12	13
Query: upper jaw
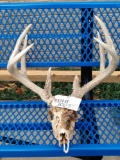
63	137
64	140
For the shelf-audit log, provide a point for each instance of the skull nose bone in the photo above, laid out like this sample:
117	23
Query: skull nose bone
65	142
63	136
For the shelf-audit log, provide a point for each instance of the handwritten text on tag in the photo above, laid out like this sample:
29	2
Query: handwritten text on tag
66	102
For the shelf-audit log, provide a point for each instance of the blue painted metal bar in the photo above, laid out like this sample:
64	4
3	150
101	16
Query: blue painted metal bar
102	109
114	4
53	151
49	26
41	103
58	64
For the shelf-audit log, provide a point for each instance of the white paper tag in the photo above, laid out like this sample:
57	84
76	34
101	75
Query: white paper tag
66	102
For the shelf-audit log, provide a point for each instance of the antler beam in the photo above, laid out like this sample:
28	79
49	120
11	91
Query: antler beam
21	76
104	72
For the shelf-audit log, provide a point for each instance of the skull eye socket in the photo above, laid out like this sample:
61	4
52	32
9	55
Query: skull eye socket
74	116
50	115
68	123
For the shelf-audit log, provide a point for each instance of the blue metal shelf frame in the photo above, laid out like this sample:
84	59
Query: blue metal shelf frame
36	150
24	128
59	61
25	5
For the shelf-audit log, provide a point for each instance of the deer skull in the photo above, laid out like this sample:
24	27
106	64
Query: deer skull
63	119
63	123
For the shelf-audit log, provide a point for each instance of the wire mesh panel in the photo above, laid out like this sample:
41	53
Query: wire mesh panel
57	31
26	124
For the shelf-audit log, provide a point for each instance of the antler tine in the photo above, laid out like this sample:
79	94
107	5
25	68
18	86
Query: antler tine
45	93
17	57
110	49
48	83
76	86
47	88
23	59
16	49
102	55
14	57
104	72
105	31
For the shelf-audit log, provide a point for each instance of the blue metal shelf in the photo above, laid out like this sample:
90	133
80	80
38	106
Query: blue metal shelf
56	31
26	122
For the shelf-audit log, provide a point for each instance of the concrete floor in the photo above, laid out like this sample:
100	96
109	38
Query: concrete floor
62	158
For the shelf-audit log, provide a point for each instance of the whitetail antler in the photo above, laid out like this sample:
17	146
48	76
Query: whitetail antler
62	119
45	93
21	76
104	72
